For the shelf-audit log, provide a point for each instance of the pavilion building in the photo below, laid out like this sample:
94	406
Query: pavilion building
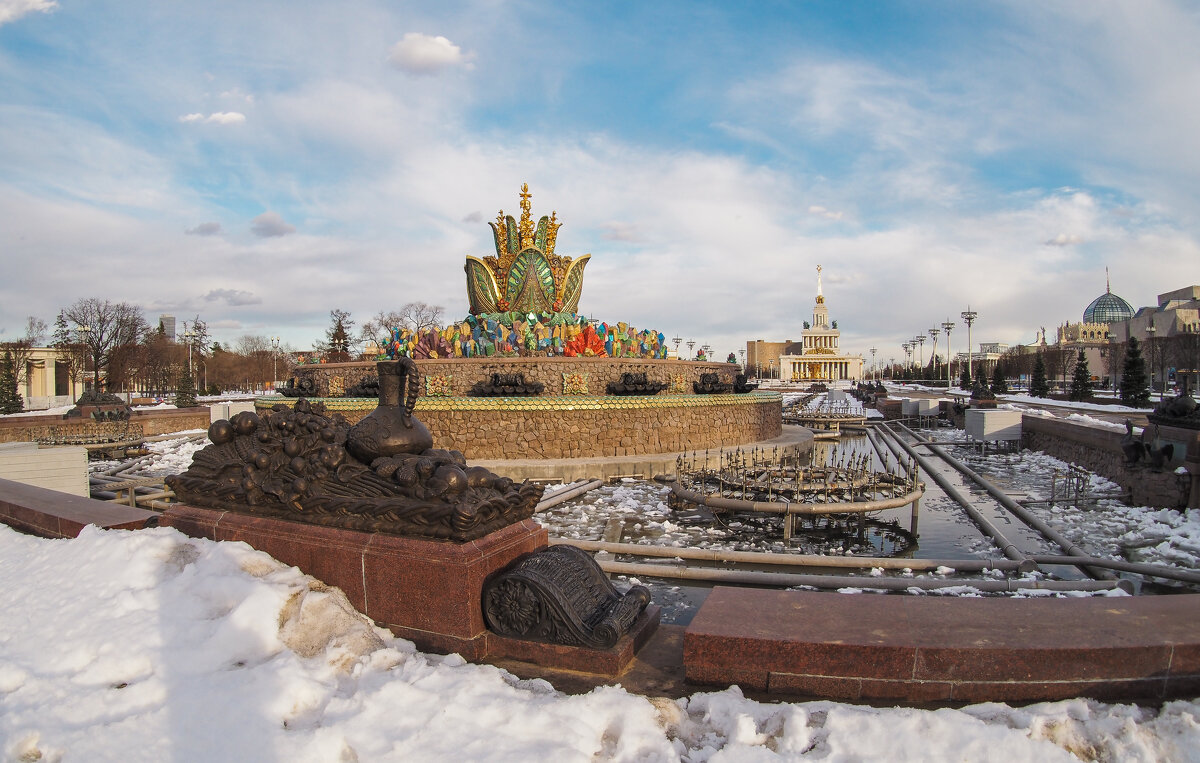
820	357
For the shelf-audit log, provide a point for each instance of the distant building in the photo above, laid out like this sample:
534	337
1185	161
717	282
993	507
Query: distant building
820	358
48	382
168	324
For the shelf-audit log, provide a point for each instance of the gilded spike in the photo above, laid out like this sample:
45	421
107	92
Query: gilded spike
552	233
526	227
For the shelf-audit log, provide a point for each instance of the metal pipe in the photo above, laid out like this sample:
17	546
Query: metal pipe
794	560
984	524
1140	568
566	495
788	579
772	507
1017	509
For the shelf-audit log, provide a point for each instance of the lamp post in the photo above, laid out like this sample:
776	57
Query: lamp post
771	372
969	316
677	340
933	332
189	335
1151	333
274	361
947	325
691	343
742	352
920	340
85	333
706	349
874	375
907	351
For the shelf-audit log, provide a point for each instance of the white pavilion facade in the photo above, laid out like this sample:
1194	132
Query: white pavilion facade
821	358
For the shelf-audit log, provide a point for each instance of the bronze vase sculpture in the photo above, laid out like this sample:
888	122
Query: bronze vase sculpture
390	429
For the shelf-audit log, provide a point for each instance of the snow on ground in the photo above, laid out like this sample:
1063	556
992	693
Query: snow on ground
149	646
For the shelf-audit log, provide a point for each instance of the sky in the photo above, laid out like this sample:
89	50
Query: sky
261	164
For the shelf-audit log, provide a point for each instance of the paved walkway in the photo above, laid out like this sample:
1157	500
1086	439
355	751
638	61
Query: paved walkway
797	439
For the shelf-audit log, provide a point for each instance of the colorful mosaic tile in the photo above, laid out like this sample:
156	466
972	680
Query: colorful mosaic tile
337	386
678	384
439	385
575	384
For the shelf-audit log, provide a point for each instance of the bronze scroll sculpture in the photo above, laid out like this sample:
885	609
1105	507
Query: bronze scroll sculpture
381	475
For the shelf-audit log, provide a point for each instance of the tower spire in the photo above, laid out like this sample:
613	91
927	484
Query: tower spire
1107	281
820	296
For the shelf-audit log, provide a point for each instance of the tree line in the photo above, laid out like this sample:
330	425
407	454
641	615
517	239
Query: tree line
110	346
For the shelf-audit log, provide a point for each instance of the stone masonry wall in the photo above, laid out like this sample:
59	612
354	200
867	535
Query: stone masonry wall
588	433
549	371
1099	450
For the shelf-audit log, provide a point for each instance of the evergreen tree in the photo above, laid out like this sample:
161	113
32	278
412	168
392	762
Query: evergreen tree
999	383
10	398
1081	381
964	379
337	336
185	395
1135	387
1038	385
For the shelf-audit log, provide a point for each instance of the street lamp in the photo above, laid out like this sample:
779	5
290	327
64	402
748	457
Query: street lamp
933	332
274	361
677	340
189	335
691	343
85	333
947	325
907	349
742	352
771	371
969	316
1151	332
920	340
874	375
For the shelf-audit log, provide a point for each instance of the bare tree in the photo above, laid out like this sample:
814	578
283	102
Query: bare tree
72	353
379	328
104	327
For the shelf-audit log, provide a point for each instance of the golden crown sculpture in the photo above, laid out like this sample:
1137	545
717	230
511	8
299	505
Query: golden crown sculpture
526	275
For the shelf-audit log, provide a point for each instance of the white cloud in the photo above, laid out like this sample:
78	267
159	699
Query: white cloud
418	53
11	10
218	117
820	211
233	297
270	224
620	231
1065	239
204	229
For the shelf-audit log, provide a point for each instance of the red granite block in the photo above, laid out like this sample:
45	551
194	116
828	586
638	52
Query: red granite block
437	586
54	514
1032	662
1185	657
714	674
192	521
608	662
1186	685
826	687
1049	691
330	554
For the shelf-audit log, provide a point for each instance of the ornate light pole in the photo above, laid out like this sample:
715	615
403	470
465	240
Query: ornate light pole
946	326
677	340
274	361
969	316
691	343
742	352
920	340
874	376
1151	333
933	332
771	372
189	335
85	333
907	351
